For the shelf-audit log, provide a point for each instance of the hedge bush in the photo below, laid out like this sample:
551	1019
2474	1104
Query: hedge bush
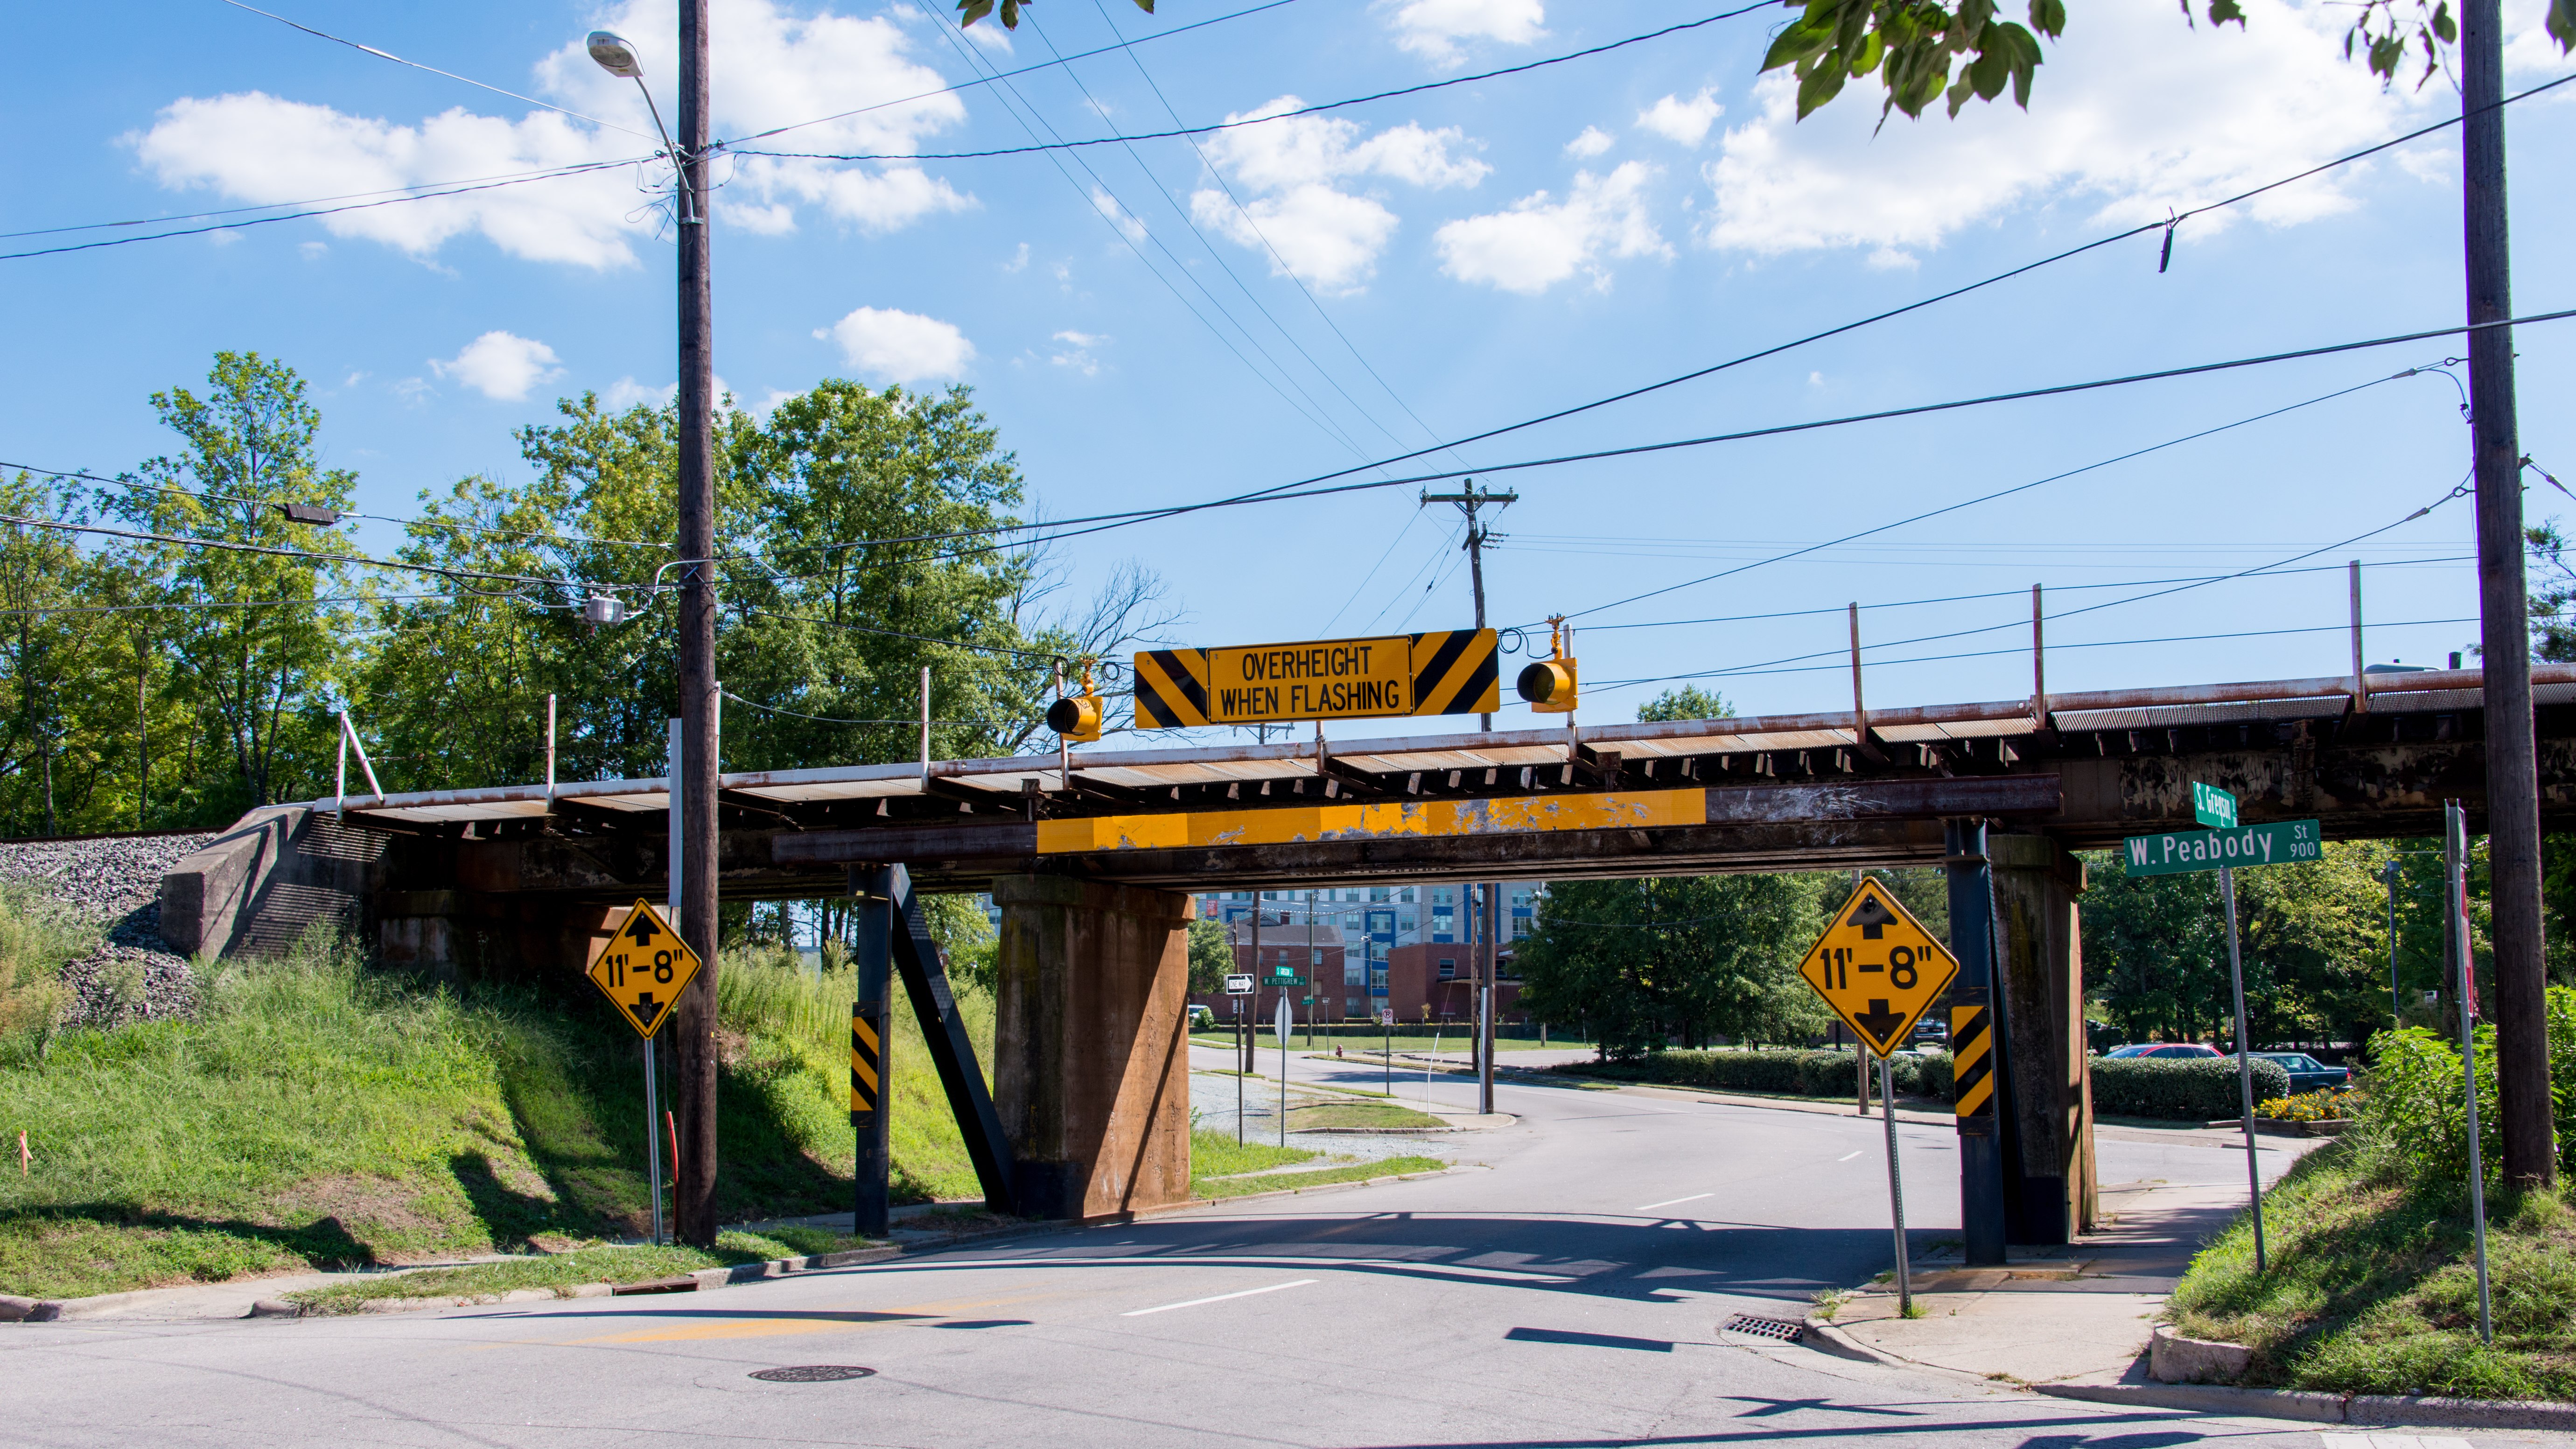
2192	1089
1790	1073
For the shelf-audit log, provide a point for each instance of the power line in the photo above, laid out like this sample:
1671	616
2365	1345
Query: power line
1249	221
274	551
1000	75
399	192
1062	145
433	70
423	195
1997	494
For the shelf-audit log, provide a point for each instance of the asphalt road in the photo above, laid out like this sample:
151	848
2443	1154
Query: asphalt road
1567	1291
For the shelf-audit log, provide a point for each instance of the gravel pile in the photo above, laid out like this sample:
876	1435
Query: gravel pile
115	884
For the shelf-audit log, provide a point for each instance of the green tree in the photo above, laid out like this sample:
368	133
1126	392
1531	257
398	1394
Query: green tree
1211	956
1688	702
262	651
1913	46
1644	961
970	11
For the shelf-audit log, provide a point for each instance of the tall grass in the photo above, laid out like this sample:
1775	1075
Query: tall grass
38	936
795	1024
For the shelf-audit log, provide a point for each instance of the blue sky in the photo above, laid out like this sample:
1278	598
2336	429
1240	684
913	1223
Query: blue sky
1173	321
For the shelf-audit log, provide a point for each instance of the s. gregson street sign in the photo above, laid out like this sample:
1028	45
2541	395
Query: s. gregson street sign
2287	842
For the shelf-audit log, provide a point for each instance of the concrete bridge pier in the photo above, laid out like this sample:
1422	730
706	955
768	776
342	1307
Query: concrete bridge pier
2050	1192
1091	1054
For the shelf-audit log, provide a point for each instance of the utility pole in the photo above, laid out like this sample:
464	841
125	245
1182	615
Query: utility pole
2513	789
694	1210
1470	500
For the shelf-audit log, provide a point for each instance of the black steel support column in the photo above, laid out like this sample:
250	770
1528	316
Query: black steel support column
1976	1042
871	1084
934	1006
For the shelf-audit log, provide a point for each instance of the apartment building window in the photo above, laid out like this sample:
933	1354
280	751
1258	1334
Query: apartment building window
1448	969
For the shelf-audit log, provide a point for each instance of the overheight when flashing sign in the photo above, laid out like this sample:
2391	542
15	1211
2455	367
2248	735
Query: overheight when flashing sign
1446	672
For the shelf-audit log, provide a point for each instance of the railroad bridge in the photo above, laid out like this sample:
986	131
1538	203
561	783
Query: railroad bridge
1091	854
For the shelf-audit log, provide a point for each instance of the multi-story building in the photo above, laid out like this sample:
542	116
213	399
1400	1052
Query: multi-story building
1385	947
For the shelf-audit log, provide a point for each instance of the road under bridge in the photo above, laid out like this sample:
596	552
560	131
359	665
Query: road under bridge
1091	855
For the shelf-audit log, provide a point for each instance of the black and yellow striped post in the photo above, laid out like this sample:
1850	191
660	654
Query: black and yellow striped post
1976	1058
872	954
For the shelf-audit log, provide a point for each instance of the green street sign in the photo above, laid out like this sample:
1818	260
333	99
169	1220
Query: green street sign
1284	975
2212	806
2288	842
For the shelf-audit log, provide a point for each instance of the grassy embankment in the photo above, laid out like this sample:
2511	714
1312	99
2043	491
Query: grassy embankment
2372	1287
1219	1166
317	1114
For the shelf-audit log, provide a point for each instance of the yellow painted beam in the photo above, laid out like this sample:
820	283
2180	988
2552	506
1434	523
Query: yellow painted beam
1296	825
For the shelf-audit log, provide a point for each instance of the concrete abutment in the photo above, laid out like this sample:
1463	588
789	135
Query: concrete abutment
1090	1048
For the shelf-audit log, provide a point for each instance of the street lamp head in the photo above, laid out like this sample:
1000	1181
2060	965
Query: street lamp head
614	55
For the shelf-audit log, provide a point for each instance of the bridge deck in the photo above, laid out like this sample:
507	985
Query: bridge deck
1731	794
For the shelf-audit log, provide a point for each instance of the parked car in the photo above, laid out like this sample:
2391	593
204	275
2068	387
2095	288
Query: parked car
2307	1074
2165	1050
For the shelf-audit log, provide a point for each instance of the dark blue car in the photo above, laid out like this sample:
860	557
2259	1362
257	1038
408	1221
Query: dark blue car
2307	1074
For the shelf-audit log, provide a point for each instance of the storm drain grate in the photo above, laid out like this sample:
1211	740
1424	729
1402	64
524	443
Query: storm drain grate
813	1373
1784	1329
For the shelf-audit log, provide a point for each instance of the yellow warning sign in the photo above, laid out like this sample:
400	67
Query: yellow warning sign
1878	968
644	968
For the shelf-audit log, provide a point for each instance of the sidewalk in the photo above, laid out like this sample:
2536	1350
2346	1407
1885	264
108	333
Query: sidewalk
2078	1314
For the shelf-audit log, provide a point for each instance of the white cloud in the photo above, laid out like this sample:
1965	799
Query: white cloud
1684	121
777	67
1889	259
1019	261
1432	28
1077	355
501	365
1538	242
626	393
2132	114
313	251
1591	143
1119	216
900	346
1290	173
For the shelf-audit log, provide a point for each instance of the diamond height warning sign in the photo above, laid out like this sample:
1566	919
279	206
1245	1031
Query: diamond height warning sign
1878	968
643	968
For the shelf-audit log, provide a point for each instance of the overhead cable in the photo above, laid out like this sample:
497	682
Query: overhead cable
433	70
1210	129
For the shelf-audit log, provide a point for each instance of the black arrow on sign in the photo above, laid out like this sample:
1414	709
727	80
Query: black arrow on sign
1878	1021
641	930
647	1011
1873	917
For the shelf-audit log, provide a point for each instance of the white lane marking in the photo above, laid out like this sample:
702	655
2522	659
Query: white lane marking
1220	1298
2391	1441
1668	1202
1848	1156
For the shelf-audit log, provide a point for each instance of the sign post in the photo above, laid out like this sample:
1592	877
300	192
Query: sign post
642	967
1238	986
1881	971
1286	1023
871	1065
2223	847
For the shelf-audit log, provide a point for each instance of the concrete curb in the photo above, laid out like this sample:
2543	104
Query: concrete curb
2326	1408
1824	1337
703	1280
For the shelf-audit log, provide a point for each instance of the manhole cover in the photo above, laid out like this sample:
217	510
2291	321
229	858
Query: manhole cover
813	1373
1784	1329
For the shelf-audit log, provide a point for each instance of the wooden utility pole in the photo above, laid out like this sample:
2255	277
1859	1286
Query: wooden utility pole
694	1185
1470	499
2513	789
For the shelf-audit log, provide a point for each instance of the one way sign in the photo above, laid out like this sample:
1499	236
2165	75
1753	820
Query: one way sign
1878	968
643	968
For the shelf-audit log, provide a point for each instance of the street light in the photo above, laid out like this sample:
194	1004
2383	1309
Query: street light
616	55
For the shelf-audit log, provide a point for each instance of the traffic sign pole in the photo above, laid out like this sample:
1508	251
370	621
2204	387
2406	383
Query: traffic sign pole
2244	1063
1286	1024
653	1136
1895	1188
